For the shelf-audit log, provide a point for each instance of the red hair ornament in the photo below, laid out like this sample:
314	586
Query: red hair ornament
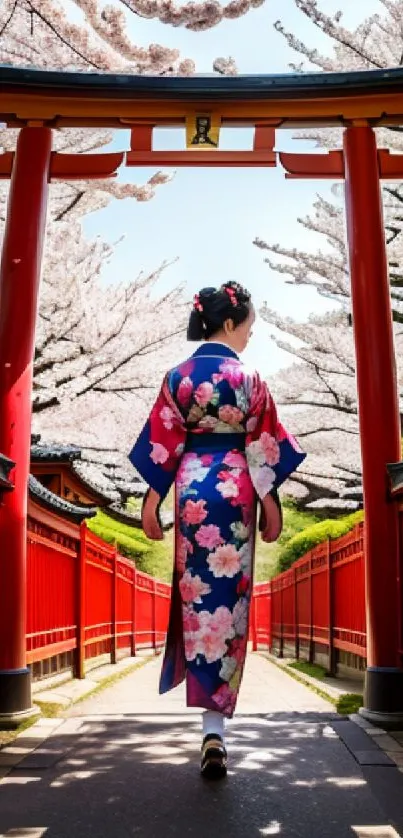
197	304
232	295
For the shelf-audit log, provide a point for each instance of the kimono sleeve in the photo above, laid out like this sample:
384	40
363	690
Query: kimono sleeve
158	449
272	453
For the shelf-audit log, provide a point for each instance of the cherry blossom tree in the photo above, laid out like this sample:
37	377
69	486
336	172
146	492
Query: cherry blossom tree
100	351
376	43
317	397
319	388
42	33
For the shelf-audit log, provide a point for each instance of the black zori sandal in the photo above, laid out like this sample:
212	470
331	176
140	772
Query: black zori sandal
213	757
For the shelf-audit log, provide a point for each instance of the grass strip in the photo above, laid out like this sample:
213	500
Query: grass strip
311	669
345	705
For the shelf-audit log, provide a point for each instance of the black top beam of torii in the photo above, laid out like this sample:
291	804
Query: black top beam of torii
200	87
32	97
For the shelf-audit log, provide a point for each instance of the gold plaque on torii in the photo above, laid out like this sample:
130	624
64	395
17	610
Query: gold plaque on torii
203	131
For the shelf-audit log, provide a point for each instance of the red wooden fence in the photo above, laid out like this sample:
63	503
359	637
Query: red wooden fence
84	598
84	601
318	605
260	623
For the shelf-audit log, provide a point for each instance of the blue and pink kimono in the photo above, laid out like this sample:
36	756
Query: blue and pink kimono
214	432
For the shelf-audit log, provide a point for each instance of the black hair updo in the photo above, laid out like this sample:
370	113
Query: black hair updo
213	306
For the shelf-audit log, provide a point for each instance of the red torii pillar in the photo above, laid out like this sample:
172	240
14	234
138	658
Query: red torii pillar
379	422
361	165
19	283
31	169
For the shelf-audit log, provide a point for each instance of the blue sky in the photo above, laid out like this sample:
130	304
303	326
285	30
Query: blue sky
207	218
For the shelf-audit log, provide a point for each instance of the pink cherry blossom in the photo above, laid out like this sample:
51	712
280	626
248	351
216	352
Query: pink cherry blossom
167	415
263	479
204	393
191	622
159	454
184	547
225	698
211	644
185	391
235	460
191	468
194	512
224	561
229	414
232	372
271	449
209	536
226	474
228	488
192	588
191	646
221	621
207	459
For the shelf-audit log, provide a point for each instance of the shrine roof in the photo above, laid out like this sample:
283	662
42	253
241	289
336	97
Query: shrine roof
6	465
57	504
77	98
133	519
54	453
95	481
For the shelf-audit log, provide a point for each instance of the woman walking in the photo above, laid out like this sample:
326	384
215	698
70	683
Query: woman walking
213	431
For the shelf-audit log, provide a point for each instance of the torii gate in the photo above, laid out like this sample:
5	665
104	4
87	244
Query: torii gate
38	102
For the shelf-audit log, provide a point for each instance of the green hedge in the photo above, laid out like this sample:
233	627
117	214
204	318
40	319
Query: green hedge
267	555
156	557
153	557
310	537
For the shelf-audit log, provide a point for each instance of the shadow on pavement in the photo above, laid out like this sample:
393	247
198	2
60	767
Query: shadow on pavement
289	775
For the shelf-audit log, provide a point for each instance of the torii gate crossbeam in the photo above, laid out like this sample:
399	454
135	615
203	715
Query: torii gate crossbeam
37	102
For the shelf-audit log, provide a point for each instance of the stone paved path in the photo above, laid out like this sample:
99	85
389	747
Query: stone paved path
264	690
125	763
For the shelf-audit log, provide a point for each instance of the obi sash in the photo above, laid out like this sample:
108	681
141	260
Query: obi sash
207	443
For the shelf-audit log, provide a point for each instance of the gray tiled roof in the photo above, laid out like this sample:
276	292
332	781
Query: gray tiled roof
54	452
133	519
5	467
44	497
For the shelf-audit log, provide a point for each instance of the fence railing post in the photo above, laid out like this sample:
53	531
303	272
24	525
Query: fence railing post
154	616
281	648
270	606
79	661
133	637
296	623
253	621
332	658
311	644
114	606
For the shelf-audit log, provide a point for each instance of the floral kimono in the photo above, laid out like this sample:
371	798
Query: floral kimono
214	432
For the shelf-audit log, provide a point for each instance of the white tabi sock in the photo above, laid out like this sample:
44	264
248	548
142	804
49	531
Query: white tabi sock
213	722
